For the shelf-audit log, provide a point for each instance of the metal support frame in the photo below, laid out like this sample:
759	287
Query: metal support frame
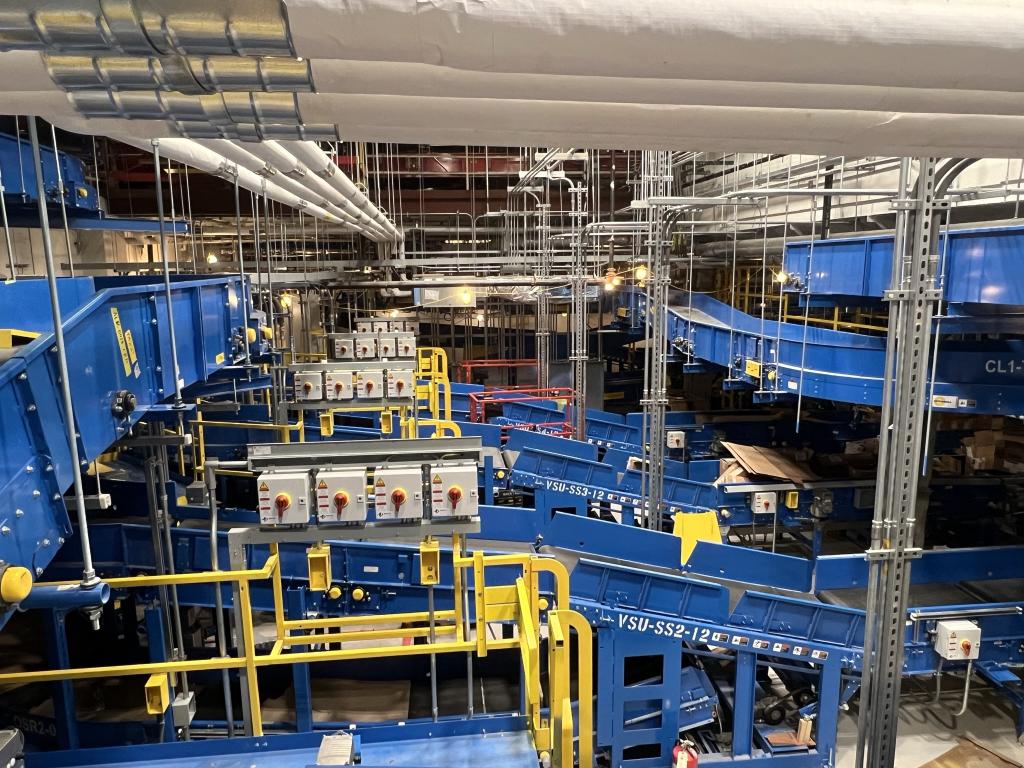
905	412
578	352
542	341
88	572
657	182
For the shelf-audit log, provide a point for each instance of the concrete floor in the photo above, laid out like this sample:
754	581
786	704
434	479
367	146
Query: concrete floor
928	730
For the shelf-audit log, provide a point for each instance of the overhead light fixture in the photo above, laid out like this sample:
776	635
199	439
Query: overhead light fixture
211	258
781	277
470	241
640	273
609	285
394	313
466	295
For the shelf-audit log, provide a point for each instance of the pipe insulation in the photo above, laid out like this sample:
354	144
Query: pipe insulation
241	155
197	156
293	158
316	159
972	44
495	122
31	71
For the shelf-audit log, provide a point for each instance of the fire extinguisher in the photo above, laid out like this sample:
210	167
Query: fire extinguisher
684	755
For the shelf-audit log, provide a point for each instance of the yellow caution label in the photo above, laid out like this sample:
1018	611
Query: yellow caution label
132	357
753	369
219	358
322	485
436	480
380	482
121	344
264	487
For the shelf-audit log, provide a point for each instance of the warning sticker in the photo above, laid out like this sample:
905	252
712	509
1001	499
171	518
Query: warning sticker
132	357
264	487
121	344
944	401
380	482
436	479
322	485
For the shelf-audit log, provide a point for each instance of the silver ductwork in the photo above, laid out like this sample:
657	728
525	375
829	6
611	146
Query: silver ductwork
194	75
148	27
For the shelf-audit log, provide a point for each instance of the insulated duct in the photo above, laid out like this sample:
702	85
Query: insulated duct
971	44
147	27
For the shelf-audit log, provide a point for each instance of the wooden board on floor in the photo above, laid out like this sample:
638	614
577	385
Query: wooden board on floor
969	754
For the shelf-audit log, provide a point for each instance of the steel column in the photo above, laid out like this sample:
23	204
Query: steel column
913	299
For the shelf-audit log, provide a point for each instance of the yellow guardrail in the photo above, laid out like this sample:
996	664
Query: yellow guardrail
520	603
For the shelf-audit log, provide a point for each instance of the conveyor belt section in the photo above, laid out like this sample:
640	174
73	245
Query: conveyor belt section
782	360
648	618
979	267
117	341
566	474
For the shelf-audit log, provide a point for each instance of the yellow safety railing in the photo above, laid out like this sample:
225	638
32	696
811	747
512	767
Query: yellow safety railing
432	365
520	603
199	434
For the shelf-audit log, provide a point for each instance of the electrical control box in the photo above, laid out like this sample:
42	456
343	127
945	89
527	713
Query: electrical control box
675	439
370	385
341	495
958	640
386	346
309	385
400	384
453	489
339	385
381	326
284	498
366	347
364	326
764	502
398	492
405	345
344	348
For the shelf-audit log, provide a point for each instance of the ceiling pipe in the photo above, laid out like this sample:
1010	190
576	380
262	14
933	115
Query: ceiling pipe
197	156
246	159
356	204
318	161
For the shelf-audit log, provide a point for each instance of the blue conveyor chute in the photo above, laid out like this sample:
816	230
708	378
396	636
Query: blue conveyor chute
117	339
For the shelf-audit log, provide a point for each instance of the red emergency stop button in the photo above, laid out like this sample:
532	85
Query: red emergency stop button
281	502
340	500
454	495
965	646
398	497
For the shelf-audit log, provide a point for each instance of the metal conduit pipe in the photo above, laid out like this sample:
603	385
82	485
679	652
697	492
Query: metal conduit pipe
65	598
317	160
210	473
250	162
89	578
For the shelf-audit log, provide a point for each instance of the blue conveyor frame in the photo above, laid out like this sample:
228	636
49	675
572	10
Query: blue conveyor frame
116	337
